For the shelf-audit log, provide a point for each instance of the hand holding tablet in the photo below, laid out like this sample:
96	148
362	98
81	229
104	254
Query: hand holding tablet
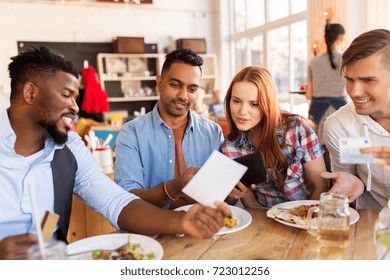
256	172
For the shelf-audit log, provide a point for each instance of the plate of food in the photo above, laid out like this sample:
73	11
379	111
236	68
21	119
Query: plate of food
240	219
116	246
294	213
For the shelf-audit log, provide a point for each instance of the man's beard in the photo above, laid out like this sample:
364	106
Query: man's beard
52	128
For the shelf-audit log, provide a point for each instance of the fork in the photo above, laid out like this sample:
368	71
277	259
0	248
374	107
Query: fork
122	246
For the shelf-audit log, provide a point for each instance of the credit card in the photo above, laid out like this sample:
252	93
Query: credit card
350	150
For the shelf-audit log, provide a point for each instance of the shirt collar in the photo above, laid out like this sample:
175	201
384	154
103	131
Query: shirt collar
8	135
157	120
244	142
6	129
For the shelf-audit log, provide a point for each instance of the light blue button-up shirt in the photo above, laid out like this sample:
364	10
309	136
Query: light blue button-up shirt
145	149
19	173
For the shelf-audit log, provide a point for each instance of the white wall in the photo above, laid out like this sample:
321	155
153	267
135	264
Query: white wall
162	22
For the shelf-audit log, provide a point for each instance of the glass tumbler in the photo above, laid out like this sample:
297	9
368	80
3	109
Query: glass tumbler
54	250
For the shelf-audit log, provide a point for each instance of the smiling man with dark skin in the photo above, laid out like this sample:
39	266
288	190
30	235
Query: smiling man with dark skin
37	150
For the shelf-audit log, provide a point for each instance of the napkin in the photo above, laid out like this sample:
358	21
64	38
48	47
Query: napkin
215	179
256	172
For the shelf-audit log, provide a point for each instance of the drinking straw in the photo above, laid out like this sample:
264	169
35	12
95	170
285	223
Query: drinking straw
107	141
36	221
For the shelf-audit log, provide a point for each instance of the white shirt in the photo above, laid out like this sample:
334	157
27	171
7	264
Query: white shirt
347	123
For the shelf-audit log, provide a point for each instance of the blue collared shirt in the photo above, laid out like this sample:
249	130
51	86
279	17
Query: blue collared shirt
19	173
145	149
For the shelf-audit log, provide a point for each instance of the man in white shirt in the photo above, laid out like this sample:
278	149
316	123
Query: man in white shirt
366	68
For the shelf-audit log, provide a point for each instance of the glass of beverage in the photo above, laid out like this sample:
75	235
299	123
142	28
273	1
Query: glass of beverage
329	222
54	250
382	234
382	241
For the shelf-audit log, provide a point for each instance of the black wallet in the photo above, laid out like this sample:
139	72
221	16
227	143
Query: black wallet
256	172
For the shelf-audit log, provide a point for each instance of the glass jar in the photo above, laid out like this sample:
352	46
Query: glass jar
329	222
382	234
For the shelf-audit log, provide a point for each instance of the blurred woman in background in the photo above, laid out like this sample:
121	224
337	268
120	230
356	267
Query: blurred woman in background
325	84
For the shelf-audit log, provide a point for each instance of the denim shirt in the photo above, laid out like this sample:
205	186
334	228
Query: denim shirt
19	173
145	149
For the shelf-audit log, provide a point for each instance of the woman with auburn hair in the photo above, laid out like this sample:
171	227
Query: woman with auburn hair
292	154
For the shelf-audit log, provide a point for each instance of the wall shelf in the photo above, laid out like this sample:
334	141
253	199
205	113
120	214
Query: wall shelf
132	77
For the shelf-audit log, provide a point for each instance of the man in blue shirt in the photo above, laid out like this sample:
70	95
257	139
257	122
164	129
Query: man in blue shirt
39	153
158	153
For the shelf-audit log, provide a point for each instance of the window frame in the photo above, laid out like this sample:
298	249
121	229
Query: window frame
263	30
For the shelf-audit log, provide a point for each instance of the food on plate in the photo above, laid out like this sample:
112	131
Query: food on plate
301	210
230	222
296	215
131	251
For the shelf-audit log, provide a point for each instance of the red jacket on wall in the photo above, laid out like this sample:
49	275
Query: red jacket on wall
95	98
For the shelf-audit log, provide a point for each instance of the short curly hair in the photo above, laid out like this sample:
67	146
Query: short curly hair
34	64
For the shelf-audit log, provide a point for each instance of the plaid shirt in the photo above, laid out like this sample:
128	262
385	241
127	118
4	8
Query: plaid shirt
303	139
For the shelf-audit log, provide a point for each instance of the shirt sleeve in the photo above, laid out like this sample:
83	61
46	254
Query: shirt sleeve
95	188
333	131
129	172
310	144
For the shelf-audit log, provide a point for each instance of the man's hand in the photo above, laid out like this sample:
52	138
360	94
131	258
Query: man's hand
382	155
203	222
345	183
16	247
179	183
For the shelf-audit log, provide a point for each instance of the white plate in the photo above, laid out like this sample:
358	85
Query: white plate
291	204
243	219
111	242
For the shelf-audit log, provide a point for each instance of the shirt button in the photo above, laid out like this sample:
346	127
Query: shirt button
170	161
170	136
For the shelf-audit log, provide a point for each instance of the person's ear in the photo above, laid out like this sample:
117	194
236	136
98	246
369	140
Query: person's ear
30	92
158	84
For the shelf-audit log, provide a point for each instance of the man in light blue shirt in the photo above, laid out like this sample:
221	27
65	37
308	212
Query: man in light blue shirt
157	154
42	160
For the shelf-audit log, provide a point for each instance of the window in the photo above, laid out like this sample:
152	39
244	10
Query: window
248	14
272	33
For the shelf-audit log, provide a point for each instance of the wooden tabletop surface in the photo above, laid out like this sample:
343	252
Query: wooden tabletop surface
266	239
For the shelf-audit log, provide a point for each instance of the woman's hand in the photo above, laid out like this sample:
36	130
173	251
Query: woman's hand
238	192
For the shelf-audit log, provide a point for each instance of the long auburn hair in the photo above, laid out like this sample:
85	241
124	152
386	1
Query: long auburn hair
272	118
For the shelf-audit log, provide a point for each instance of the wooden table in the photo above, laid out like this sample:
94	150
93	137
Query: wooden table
266	239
